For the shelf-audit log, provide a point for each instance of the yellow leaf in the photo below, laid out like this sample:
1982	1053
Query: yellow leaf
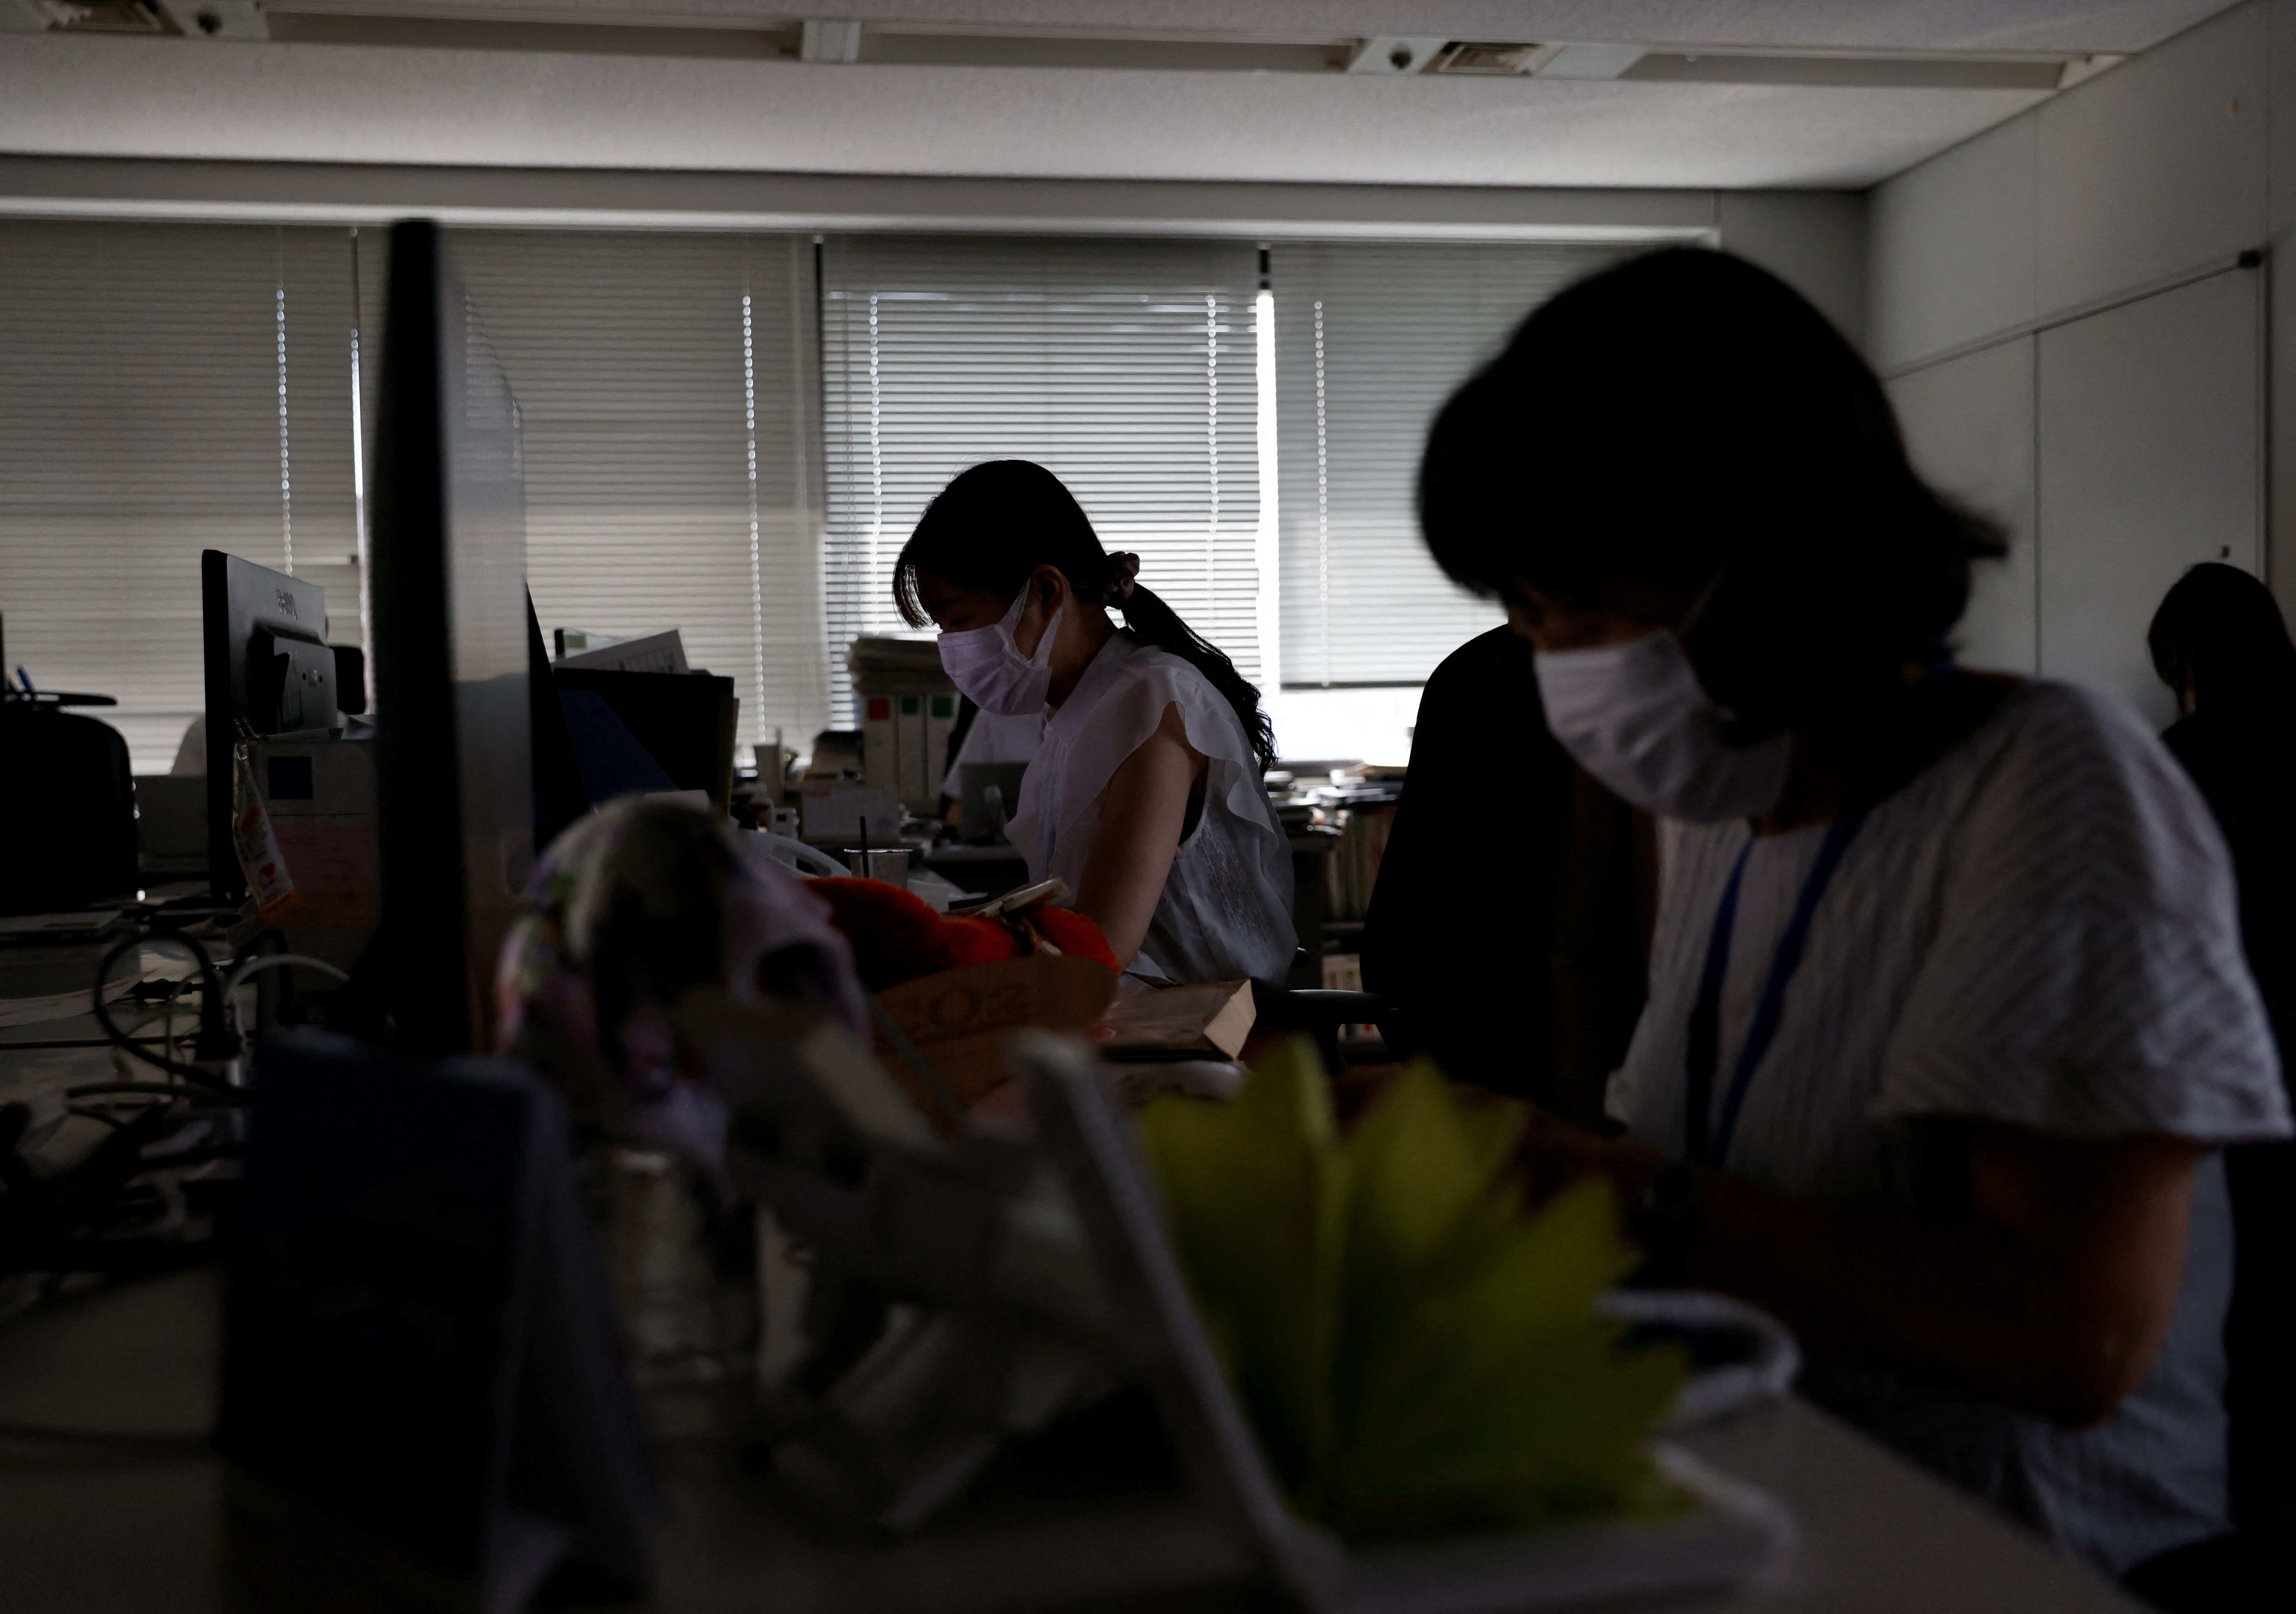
1416	1351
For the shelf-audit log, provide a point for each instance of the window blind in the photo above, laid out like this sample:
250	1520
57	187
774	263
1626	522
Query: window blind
665	390
1371	340
166	388
1126	367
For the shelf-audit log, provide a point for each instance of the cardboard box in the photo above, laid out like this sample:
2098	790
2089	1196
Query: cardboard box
961	1019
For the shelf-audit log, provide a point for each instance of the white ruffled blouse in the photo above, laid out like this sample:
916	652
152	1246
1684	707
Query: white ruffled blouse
1226	909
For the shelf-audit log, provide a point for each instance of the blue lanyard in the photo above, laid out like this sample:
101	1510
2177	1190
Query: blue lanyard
1706	1142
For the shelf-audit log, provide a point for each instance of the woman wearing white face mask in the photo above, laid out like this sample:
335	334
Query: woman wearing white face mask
1948	1014
1146	793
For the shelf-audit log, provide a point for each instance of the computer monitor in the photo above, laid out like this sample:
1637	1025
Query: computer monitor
268	666
683	721
455	785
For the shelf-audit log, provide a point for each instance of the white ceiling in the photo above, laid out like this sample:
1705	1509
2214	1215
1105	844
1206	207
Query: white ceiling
1966	25
160	98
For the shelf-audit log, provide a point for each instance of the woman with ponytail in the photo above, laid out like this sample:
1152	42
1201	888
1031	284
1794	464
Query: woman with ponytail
1146	795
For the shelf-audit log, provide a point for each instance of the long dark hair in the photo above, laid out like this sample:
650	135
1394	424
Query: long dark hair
1687	423
998	522
2224	627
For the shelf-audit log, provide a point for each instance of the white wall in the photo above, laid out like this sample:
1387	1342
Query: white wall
1814	241
2073	351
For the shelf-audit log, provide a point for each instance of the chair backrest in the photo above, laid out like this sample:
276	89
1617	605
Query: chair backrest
1321	1013
67	816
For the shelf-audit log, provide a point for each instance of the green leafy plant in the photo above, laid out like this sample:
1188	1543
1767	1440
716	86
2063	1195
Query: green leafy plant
1416	1350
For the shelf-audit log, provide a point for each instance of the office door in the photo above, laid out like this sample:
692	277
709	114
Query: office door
2151	459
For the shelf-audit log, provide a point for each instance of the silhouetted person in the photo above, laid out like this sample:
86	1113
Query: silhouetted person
1515	893
2219	641
1947	1015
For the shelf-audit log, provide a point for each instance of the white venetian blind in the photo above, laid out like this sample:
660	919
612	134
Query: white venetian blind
1124	366
166	388
664	392
1371	340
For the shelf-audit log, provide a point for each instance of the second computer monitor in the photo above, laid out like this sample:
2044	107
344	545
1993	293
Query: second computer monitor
268	665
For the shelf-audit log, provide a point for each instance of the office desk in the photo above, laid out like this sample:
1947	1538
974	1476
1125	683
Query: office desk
133	1525
50	1054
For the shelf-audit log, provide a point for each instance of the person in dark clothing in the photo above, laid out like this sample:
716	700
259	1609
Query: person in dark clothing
2219	643
1513	897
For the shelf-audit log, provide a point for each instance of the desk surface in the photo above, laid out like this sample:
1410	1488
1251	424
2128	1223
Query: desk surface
128	1522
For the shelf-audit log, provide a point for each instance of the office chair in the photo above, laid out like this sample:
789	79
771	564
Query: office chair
1320	1012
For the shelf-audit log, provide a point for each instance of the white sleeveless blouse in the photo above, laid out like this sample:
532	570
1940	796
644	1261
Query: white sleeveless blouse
1226	909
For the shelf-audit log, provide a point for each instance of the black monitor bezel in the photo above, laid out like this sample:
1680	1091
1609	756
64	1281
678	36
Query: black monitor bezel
451	654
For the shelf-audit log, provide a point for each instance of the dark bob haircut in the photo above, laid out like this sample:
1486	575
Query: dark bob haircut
2222	628
1688	423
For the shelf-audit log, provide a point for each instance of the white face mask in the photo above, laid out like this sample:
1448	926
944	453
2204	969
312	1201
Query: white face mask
1634	716
986	664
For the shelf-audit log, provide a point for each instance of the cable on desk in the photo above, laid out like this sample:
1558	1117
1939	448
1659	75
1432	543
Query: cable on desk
276	961
72	1221
246	951
128	1206
231	1095
165	1013
213	1030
